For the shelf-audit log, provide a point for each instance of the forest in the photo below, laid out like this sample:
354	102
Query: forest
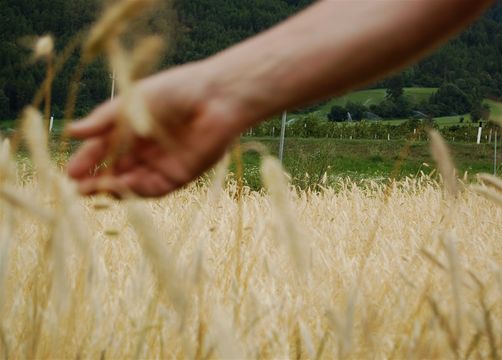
468	66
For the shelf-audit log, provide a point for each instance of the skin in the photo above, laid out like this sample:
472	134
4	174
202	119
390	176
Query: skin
328	49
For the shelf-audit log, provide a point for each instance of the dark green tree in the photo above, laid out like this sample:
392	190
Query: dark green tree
203	27
450	100
480	111
4	105
338	113
356	110
395	87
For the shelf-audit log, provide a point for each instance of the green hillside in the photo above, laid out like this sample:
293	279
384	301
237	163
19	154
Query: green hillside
200	28
376	96
414	95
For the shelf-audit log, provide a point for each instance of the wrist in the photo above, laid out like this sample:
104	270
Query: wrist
241	90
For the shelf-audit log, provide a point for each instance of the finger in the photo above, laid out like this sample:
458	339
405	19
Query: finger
125	163
103	184
90	154
141	182
147	183
172	167
98	122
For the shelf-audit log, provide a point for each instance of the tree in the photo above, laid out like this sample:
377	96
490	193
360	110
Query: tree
480	111
393	109
450	100
394	87
356	110
4	105
338	113
204	27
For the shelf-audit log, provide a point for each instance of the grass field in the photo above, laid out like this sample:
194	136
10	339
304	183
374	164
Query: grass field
363	159
11	125
358	160
415	95
376	96
343	272
7	124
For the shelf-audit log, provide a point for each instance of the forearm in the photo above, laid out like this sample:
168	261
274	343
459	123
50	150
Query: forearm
332	47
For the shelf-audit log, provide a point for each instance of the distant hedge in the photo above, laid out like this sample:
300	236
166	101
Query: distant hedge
311	127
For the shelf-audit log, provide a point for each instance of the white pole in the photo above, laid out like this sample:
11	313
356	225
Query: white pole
480	130
51	122
283	135
113	84
388	137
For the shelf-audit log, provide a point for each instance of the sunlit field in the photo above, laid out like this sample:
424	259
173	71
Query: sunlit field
365	271
225	269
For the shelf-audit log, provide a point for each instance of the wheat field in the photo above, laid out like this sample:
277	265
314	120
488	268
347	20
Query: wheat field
218	271
401	269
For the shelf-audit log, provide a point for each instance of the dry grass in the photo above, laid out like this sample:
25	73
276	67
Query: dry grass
397	271
160	279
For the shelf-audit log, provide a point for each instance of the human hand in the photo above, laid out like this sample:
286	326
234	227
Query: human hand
190	110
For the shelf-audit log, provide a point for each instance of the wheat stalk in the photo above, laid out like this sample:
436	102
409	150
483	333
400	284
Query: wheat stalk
491	181
285	223
441	155
113	23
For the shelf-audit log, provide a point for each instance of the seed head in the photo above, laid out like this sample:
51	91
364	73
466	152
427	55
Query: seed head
44	47
112	24
441	155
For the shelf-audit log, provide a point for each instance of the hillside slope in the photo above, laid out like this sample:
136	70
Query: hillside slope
204	27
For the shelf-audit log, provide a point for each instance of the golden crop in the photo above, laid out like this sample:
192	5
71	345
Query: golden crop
397	270
401	273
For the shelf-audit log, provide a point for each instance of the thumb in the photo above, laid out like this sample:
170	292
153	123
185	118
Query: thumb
101	120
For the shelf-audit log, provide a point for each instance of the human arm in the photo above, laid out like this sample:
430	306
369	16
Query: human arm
335	46
328	49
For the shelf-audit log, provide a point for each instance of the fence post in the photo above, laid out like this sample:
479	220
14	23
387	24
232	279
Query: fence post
283	135
112	96
51	123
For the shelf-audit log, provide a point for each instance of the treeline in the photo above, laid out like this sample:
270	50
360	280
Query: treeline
20	21
202	28
448	100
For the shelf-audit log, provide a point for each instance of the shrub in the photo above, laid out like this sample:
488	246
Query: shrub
338	113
